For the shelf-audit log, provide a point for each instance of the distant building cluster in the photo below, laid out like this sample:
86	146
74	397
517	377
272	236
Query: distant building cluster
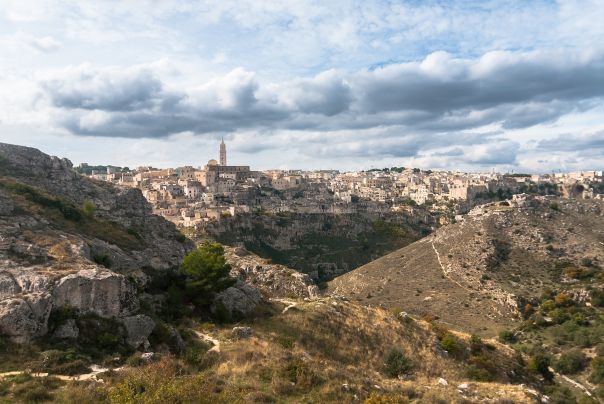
191	196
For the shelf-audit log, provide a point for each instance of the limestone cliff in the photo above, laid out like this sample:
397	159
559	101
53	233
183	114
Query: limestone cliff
67	241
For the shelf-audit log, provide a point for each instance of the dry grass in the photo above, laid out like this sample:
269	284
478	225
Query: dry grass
321	351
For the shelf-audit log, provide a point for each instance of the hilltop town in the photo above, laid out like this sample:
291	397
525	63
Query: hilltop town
103	301
192	197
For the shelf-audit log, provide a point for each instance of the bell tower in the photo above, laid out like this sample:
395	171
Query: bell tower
223	160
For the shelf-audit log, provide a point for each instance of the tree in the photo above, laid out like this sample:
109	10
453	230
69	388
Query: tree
207	273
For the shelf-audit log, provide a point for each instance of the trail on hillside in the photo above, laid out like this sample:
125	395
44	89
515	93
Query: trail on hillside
444	270
96	370
210	339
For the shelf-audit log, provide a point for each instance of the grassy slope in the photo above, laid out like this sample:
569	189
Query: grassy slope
318	351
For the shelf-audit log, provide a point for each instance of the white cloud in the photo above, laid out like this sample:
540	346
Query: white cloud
358	82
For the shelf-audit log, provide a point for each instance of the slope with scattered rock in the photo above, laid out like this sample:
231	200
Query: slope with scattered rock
480	274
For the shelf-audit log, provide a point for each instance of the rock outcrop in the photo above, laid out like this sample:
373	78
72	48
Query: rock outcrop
97	291
56	254
138	329
271	280
236	301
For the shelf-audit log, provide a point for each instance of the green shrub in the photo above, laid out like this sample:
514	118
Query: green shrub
449	343
547	305
473	372
571	362
89	209
35	390
554	206
102	259
396	363
194	354
181	238
540	363
597	297
207	273
67	209
299	372
597	372
507	336
68	362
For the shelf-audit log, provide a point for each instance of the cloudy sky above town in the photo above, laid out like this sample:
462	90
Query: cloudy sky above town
469	85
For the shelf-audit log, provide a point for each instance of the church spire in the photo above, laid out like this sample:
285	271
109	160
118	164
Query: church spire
223	158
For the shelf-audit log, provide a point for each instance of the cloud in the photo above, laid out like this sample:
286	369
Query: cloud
112	90
44	44
438	94
592	142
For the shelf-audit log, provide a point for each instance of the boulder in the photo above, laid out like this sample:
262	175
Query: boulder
241	332
25	318
148	357
104	293
138	329
239	300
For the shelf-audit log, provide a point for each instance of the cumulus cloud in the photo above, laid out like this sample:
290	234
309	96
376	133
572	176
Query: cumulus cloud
438	94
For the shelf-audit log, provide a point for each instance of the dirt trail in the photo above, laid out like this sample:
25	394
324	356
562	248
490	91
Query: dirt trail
209	338
95	371
290	304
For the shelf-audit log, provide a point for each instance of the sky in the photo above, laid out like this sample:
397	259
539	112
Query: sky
466	85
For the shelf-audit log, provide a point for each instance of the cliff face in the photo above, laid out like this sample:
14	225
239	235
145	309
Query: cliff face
320	245
66	241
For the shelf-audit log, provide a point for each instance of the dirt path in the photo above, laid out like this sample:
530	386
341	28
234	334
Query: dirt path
445	271
209	338
290	304
95	371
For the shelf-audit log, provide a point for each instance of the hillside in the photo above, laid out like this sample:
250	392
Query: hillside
478	275
325	350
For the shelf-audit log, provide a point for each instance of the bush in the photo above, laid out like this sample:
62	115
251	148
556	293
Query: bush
597	297
539	363
449	343
207	273
396	363
181	238
507	336
102	259
548	305
194	354
597	372
554	206
571	362
376	398
27	389
89	209
299	372
563	300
